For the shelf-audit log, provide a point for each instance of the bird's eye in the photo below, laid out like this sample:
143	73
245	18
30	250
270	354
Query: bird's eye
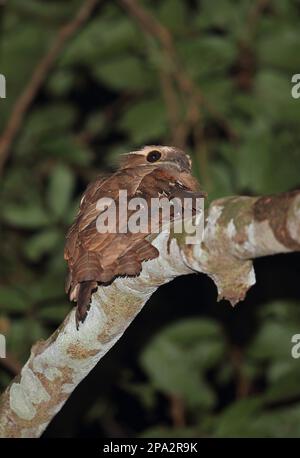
153	156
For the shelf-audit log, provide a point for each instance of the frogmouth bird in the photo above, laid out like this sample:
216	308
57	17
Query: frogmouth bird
95	257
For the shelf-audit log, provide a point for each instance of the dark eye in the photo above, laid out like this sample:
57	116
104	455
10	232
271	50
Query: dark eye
153	156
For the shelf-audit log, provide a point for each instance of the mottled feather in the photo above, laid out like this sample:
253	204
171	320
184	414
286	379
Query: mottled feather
98	258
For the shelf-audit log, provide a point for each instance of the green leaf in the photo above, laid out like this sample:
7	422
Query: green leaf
227	15
273	93
12	300
145	121
221	182
177	359
280	423
164	432
43	126
61	82
254	157
260	164
48	288
41	243
125	72
217	53
219	94
66	148
24	333
54	313
173	14
238	420
117	36
16	62
26	217
281	311
60	190
286	387
272	342
279	49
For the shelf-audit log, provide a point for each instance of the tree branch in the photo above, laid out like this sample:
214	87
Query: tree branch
237	230
38	77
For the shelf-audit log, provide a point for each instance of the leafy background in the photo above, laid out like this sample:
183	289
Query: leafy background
187	366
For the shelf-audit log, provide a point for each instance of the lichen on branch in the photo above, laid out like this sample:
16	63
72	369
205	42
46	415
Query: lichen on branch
237	230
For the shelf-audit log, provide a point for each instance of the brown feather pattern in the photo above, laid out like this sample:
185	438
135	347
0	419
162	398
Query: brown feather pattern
96	258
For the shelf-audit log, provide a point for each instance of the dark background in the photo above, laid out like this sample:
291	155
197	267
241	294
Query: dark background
187	366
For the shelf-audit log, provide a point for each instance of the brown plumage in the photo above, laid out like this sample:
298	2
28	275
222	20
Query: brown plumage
98	258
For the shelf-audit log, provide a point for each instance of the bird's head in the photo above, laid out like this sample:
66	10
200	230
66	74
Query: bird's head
158	156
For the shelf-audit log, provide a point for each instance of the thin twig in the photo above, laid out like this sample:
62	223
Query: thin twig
243	385
200	146
155	29
38	77
246	61
173	69
254	15
173	110
177	411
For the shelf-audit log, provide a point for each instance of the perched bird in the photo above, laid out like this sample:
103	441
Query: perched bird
98	258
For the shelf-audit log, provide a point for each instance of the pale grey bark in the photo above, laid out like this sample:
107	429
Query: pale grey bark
237	230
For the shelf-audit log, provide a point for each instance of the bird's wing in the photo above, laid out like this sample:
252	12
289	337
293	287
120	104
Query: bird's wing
84	226
90	253
86	246
94	256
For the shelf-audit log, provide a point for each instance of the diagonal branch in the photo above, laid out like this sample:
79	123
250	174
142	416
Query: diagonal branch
39	75
237	230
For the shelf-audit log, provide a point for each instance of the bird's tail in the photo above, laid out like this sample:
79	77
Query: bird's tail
85	291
